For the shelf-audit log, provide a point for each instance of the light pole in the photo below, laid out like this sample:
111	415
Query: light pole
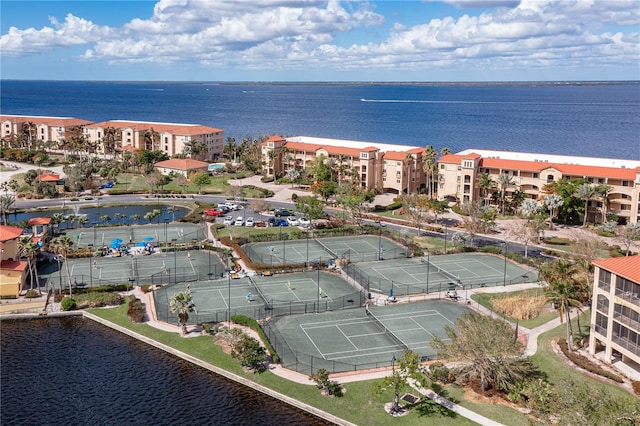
284	247
175	259
166	220
379	239
317	265
90	266
228	290
208	273
446	232
504	276
428	270
394	408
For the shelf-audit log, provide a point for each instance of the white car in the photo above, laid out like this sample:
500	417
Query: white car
249	222
232	206
292	221
239	221
228	220
304	221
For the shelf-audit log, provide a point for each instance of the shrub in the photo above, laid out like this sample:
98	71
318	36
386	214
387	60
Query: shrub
57	297
330	387
135	310
145	288
586	364
249	352
636	386
266	179
440	373
68	304
557	241
31	294
253	324
97	300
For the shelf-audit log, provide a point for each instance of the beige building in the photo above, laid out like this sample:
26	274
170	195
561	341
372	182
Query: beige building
615	312
12	269
458	176
14	127
182	166
382	167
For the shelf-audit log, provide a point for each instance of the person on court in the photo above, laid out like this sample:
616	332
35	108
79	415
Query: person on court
321	293
289	285
248	296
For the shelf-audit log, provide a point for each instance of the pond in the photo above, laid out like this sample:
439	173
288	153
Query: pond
118	215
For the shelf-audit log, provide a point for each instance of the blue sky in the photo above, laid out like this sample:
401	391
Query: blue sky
308	40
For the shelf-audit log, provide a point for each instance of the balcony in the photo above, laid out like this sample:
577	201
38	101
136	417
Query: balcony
626	321
627	344
633	298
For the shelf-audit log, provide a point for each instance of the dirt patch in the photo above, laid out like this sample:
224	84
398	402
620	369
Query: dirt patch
519	307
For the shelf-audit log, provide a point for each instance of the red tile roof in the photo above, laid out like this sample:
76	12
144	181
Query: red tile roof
312	147
627	267
498	163
49	178
39	221
275	138
173	128
48	121
182	164
451	159
370	149
473	156
395	155
13	265
9	233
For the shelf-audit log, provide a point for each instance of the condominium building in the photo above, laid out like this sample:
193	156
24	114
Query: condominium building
170	138
458	176
34	129
615	312
381	167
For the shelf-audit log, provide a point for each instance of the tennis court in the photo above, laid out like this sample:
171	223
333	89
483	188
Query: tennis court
158	268
357	340
131	235
438	273
261	297
357	248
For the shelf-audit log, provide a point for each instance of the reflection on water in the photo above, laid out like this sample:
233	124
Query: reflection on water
70	371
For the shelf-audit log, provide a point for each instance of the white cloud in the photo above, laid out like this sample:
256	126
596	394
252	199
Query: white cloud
291	35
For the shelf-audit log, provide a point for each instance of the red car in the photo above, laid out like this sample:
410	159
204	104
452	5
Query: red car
213	212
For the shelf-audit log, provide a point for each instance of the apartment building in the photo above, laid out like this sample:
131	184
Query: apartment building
171	138
13	271
615	312
32	129
458	176
381	167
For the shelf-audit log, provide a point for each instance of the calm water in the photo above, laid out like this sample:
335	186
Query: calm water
594	120
76	372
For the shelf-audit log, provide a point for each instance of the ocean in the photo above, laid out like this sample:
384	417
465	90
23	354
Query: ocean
597	120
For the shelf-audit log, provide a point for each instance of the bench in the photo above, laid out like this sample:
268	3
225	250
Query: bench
267	273
235	276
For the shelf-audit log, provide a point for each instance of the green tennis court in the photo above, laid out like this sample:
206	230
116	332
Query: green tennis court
357	248
103	236
353	340
439	273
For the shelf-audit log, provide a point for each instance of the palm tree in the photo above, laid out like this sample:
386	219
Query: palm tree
61	246
603	190
429	166
485	183
342	167
553	203
136	218
150	137
7	202
29	249
562	290
182	305
585	192
111	141
504	182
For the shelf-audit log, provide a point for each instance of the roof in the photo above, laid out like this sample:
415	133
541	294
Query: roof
451	159
49	178
395	155
13	265
48	121
182	164
473	156
173	128
358	145
39	221
626	267
311	147
8	233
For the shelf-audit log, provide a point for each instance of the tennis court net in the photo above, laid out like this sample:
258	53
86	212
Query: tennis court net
255	285
385	329
333	253
442	271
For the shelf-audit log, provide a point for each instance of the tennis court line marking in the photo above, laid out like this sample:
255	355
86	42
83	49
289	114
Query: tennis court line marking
313	343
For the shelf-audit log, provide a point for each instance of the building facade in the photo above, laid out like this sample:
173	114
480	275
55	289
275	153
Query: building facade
13	271
33	129
459	175
615	311
381	167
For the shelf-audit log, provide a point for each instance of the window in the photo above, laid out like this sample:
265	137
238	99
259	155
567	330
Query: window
364	169
625	183
459	168
536	175
624	196
384	179
550	178
398	163
600	180
364	155
441	166
516	173
590	180
442	186
398	181
467	163
625	207
458	188
457	178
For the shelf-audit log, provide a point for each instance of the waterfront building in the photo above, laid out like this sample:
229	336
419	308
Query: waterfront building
458	176
25	131
615	312
382	167
12	269
191	140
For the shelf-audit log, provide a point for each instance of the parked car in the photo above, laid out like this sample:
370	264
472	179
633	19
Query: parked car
249	222
228	220
232	206
292	221
282	212
304	221
239	221
213	212
223	208
273	221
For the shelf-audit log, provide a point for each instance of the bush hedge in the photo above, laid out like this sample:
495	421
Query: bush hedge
253	324
68	304
135	310
586	364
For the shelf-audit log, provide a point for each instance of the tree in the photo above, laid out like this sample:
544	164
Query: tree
603	190
29	250
182	305
416	207
310	206
7	201
585	192
430	166
505	181
200	179
479	219
628	235
407	371
62	246
485	183
485	350
293	175
522	231
155	180
562	290
181	181
553	203
150	137
327	386
320	170
326	189
111	141
355	203
249	352
528	208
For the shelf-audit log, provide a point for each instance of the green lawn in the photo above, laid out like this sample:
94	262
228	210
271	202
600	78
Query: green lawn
358	405
485	300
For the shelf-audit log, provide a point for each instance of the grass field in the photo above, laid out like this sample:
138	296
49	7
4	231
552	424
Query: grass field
219	184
